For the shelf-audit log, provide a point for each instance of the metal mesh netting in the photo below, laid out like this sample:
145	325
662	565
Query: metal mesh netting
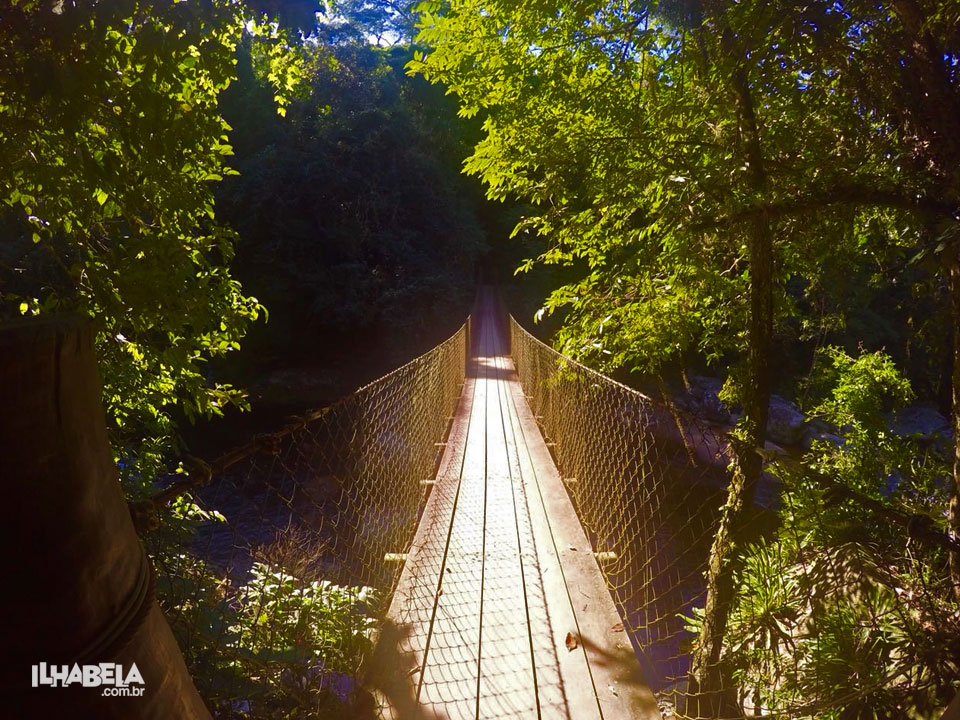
827	625
275	573
648	496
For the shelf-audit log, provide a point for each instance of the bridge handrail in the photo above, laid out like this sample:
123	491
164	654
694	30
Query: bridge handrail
320	514
649	481
514	323
283	557
200	472
920	527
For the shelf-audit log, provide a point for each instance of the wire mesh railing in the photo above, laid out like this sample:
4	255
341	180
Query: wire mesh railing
647	484
833	615
275	570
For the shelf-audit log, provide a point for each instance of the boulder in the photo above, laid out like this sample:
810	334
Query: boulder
919	421
819	430
768	492
702	398
785	423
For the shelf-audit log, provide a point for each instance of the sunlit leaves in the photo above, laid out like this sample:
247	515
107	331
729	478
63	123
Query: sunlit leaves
110	140
618	123
279	60
657	142
606	121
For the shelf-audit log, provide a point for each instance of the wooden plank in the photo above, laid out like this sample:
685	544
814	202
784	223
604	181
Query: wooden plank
589	613
395	672
507	684
563	676
448	686
500	574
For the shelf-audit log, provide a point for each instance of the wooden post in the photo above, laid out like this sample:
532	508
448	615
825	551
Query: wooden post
469	346
78	586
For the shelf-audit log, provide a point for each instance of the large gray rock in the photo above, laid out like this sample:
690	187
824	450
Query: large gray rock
919	421
817	430
702	398
785	423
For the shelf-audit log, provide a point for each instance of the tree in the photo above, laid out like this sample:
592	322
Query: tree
377	22
901	63
357	229
111	142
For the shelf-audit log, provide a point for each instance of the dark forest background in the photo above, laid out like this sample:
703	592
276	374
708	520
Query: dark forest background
357	229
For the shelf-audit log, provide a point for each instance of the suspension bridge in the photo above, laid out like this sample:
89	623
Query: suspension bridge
505	610
489	531
531	532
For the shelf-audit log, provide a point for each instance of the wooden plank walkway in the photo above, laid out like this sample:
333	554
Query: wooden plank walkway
501	610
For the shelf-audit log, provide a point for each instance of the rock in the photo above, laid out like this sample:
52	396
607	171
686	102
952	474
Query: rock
702	398
771	452
768	492
341	685
919	421
892	482
811	437
785	423
819	430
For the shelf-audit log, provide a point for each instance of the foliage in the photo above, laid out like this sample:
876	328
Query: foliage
608	118
374	22
111	141
835	631
692	162
857	395
619	123
860	389
357	227
269	642
283	619
835	616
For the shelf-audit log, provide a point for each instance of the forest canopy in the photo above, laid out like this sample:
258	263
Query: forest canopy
155	155
112	141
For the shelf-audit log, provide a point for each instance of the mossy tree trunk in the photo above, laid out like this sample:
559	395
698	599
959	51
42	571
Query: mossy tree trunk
710	686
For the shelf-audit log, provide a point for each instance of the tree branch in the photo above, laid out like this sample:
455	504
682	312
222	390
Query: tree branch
921	527
843	194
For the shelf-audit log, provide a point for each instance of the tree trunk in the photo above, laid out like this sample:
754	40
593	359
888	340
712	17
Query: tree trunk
711	691
79	583
954	512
